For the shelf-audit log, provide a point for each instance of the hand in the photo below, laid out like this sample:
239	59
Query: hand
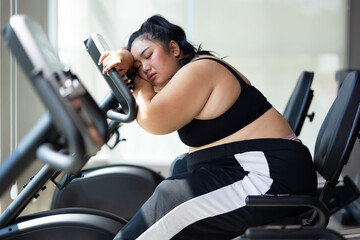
121	59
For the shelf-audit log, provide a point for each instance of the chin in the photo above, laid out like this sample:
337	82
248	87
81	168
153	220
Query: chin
159	83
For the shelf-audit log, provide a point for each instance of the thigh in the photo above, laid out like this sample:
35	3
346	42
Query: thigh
232	224
182	200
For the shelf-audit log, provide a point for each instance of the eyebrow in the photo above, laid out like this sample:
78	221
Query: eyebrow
142	53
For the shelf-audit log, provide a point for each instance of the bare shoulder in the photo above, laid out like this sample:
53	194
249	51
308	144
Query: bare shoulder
213	67
200	68
212	84
194	74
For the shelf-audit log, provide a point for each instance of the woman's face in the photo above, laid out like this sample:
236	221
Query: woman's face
154	63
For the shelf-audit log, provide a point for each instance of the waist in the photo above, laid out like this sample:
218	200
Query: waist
270	125
216	153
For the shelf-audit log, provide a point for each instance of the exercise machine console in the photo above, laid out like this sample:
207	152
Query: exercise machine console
65	138
119	188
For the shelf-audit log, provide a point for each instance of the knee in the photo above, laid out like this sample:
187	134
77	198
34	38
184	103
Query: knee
164	188
174	191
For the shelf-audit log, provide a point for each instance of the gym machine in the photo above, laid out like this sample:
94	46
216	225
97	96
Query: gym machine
73	130
119	188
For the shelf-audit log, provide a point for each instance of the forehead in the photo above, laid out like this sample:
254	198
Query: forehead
141	45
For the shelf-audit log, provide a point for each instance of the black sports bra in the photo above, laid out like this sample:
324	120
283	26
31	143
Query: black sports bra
250	105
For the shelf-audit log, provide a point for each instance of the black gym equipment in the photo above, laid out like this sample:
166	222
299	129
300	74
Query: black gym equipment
120	188
297	107
65	138
334	143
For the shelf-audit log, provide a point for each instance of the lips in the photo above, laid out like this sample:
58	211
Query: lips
151	76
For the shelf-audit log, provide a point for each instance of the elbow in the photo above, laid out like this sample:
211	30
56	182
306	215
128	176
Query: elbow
156	130
154	126
159	132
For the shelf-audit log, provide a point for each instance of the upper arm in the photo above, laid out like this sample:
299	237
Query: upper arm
180	101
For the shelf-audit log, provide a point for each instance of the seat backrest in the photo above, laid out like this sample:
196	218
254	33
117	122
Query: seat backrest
340	75
339	130
299	102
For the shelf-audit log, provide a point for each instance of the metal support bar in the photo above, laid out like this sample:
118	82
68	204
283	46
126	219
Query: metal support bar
25	152
26	195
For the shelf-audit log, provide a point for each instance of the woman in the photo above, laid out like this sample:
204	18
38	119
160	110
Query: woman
239	144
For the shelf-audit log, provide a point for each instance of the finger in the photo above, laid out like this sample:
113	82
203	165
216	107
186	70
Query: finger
121	71
107	63
110	60
102	57
110	63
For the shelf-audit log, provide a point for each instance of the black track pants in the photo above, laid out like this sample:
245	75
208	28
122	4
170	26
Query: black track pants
208	201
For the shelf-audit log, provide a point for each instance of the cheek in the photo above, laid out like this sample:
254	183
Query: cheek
158	60
142	74
168	65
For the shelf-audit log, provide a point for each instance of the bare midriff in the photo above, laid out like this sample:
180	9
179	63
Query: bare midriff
270	125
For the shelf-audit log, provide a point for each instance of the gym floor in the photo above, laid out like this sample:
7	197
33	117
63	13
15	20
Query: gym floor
350	232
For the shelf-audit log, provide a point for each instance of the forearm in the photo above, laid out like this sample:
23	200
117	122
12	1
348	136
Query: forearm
143	94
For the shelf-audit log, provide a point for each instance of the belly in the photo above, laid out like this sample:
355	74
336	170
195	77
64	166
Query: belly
270	125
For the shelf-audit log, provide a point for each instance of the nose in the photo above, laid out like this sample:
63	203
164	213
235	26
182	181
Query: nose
146	67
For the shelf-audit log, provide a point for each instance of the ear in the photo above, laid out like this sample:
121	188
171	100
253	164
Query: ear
174	49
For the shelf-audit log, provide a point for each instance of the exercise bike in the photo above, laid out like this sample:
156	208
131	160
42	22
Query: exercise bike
120	188
73	130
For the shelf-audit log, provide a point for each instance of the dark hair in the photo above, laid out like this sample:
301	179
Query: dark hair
160	29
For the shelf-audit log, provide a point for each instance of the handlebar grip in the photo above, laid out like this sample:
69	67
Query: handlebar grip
46	153
130	109
95	46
